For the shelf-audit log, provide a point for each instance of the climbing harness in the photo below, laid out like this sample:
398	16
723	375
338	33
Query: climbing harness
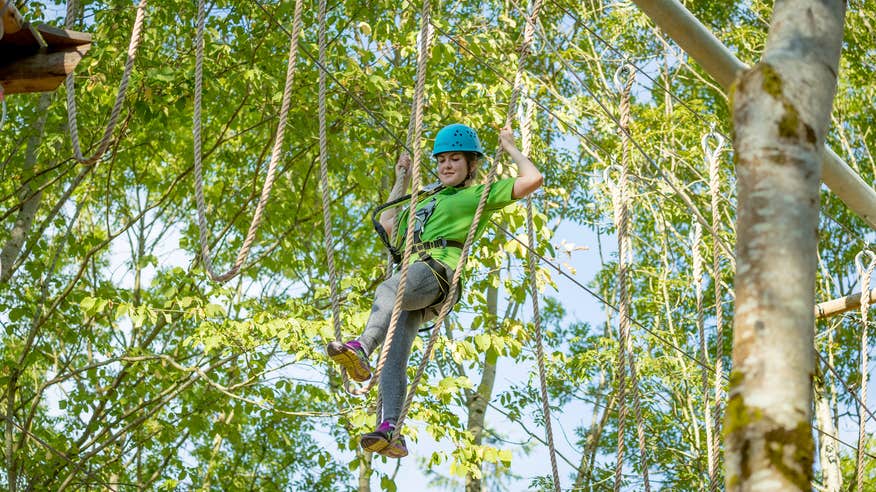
421	248
381	232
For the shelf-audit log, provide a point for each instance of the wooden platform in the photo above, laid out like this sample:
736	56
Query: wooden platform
36	58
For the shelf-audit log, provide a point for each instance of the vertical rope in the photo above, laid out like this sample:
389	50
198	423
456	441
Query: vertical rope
3	103
491	176
419	95
206	255
622	219
697	241
525	134
72	124
712	156
864	274
328	236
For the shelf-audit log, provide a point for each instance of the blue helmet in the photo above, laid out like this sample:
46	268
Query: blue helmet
457	138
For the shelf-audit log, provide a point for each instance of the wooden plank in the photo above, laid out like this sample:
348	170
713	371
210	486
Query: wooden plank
41	72
58	38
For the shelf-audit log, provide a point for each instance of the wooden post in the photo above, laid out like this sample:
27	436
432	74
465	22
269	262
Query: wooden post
781	111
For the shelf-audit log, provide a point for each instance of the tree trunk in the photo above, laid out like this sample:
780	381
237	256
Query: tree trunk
828	452
781	110
31	200
365	470
478	401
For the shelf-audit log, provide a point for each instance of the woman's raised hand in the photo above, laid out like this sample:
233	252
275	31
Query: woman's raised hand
403	166
506	138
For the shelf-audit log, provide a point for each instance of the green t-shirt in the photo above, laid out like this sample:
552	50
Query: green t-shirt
454	211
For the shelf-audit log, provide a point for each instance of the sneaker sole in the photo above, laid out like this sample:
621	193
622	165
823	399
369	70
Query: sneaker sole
392	451
349	361
374	444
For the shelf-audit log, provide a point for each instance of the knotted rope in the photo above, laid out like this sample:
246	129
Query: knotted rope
206	255
697	242
70	84
626	357
525	134
712	155
864	274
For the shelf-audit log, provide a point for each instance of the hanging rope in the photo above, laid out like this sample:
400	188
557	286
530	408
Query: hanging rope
626	357
414	139
712	154
72	124
206	255
409	143
525	134
864	274
454	283
328	236
697	242
3	104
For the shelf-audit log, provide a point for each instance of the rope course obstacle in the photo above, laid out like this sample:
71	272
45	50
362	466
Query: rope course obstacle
626	362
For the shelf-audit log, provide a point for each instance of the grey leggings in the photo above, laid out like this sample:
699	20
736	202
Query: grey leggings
421	291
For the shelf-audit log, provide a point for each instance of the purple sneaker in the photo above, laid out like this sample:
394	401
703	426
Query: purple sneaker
382	441
351	356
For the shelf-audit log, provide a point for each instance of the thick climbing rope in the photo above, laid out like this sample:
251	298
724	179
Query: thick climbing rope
206	255
528	32
626	358
712	155
72	124
3	104
864	274
409	143
697	243
526	137
414	139
328	236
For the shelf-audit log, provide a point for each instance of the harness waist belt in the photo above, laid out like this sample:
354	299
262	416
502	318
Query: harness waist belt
437	243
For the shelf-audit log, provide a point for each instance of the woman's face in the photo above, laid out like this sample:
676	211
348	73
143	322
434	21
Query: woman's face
452	168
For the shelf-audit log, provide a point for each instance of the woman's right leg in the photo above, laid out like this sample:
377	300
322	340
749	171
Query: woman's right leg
421	291
393	388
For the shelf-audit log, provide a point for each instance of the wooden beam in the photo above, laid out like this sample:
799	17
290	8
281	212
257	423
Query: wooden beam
42	72
841	305
25	66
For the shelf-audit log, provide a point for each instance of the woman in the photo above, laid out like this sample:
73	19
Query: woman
442	223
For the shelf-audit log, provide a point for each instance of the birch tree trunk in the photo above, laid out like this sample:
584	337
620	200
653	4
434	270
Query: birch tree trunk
781	109
478	400
832	477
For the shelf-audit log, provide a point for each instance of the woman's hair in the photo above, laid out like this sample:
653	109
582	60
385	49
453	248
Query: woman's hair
472	159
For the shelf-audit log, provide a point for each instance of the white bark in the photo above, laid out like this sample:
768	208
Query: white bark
832	477
781	111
